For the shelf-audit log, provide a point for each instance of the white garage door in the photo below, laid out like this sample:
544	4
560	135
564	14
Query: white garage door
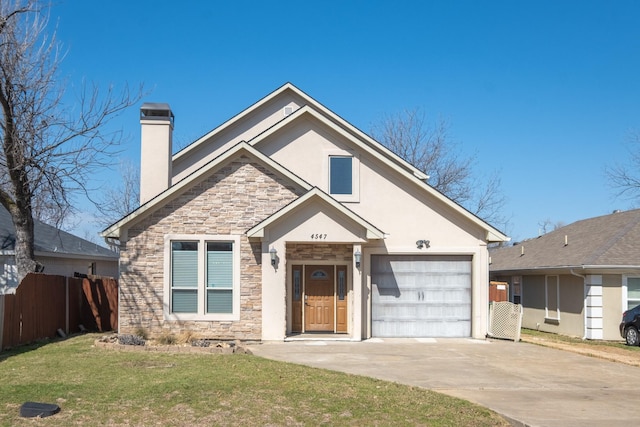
421	296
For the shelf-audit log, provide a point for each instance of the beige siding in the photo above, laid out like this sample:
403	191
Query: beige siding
571	305
227	203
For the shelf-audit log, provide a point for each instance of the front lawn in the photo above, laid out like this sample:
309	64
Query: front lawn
95	386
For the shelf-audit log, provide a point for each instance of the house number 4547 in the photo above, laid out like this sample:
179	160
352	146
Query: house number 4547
318	237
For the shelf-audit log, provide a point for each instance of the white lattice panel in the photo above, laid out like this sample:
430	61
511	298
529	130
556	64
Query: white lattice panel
505	320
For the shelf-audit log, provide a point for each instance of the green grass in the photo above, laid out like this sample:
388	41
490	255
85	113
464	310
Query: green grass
95	386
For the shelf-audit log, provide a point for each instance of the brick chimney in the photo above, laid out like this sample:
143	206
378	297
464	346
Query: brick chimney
156	123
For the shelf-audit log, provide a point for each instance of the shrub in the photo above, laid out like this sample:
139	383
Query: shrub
142	333
186	337
167	339
130	340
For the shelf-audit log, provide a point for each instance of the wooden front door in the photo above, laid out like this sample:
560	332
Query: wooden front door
319	299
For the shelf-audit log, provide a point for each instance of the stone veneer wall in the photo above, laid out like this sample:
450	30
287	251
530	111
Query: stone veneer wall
229	201
319	252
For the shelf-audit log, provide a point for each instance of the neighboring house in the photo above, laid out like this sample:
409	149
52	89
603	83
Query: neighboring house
578	279
59	252
287	220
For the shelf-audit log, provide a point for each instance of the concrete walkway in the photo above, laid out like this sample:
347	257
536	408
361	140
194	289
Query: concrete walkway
528	384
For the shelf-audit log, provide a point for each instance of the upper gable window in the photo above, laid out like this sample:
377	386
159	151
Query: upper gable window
340	175
342	169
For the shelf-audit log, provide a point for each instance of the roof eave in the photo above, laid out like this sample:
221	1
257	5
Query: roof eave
77	256
583	268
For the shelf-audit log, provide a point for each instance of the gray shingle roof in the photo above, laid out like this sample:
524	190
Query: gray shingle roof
609	240
50	239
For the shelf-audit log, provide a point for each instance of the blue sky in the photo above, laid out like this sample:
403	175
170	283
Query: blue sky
545	92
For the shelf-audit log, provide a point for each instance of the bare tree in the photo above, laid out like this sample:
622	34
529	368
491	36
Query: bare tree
625	177
430	148
49	151
122	199
547	225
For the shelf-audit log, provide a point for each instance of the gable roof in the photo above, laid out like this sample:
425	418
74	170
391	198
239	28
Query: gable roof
372	231
373	148
609	241
309	102
336	123
243	147
50	241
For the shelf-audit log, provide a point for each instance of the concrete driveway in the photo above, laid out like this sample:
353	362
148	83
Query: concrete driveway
528	384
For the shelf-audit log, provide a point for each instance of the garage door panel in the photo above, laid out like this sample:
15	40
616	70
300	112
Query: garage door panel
421	311
421	296
424	295
412	328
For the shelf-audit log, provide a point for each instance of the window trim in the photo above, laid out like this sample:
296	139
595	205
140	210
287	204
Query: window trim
355	175
549	314
516	280
201	315
625	293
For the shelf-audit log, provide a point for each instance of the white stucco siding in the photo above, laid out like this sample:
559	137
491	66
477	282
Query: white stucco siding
393	203
304	148
317	222
215	143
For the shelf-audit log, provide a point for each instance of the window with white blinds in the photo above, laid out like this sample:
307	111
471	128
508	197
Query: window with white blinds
203	277
184	277
219	277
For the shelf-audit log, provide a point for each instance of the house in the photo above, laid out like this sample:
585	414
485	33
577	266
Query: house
59	252
286	220
576	280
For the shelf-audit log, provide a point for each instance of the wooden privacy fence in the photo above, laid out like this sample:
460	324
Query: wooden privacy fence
43	304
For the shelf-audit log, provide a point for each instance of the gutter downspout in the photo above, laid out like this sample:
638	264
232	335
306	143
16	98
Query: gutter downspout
584	305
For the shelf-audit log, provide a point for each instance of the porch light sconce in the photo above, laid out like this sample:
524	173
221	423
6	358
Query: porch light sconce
423	244
357	256
274	254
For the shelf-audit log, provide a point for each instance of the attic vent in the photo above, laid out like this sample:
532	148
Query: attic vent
288	110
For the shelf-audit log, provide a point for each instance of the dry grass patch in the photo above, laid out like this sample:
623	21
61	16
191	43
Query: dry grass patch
616	351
